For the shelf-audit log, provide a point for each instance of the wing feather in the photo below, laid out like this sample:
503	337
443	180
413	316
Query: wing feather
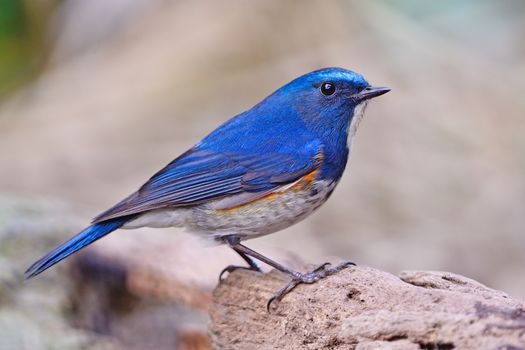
200	176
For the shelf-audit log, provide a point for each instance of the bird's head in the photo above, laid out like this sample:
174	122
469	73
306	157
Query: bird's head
330	100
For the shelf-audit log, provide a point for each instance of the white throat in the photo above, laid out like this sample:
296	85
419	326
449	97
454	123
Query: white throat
359	112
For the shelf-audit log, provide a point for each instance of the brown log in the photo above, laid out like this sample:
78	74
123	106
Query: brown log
364	308
156	294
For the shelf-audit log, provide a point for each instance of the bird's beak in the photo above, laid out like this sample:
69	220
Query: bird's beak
370	92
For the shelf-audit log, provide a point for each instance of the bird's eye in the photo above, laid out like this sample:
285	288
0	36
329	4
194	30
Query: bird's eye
327	88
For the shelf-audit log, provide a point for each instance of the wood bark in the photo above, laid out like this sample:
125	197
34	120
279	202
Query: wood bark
364	308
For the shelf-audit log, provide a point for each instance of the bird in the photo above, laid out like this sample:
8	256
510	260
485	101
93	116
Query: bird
260	172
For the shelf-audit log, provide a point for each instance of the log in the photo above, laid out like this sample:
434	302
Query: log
155	293
364	308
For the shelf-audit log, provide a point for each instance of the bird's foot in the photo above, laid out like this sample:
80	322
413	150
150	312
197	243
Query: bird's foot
230	268
313	276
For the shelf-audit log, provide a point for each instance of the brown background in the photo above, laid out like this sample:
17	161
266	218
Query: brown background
436	178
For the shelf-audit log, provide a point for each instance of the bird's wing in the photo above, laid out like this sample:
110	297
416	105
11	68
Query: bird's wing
200	176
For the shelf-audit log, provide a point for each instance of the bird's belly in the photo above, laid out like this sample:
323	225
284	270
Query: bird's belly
266	215
262	216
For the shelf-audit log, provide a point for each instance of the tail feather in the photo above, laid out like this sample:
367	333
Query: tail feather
82	239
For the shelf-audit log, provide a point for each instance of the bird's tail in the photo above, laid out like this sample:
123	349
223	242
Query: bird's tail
82	239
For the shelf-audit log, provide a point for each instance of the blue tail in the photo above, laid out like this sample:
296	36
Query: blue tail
82	239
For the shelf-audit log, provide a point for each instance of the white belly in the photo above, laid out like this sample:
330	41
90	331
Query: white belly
266	215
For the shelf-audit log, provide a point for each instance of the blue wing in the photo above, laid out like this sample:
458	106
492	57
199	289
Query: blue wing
200	176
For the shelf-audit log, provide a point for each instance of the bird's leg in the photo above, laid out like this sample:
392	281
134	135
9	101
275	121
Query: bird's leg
313	276
234	242
253	265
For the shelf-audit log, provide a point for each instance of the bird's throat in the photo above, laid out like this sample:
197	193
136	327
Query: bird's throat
359	112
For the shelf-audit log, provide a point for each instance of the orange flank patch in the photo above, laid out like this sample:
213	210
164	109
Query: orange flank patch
306	180
298	185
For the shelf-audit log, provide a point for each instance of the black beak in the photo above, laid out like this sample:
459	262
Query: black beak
370	92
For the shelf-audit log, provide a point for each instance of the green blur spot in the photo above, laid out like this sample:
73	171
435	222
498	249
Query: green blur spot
20	46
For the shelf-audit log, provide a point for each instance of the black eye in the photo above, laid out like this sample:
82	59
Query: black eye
327	88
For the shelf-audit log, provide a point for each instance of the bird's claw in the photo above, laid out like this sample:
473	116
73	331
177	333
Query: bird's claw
231	268
313	276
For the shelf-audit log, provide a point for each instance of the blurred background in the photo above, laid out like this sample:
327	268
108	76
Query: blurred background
96	96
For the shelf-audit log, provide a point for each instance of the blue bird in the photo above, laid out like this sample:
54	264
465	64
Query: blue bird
260	172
